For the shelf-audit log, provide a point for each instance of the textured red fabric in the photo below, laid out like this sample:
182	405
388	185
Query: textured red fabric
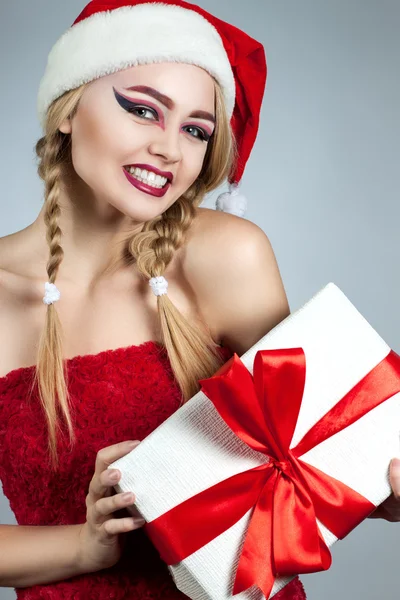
116	395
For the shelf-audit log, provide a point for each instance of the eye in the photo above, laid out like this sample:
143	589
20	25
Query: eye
197	132
141	111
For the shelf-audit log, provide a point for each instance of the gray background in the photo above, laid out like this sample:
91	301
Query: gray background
322	181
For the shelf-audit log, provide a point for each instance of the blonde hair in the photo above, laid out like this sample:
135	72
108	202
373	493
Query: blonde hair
191	350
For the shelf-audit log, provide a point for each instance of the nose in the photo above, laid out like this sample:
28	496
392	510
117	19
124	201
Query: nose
167	145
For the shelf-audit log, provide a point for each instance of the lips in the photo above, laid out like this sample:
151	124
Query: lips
167	174
143	187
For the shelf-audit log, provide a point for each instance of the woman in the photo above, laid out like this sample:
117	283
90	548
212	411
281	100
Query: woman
138	105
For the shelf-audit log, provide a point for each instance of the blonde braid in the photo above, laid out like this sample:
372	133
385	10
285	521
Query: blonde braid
51	375
191	350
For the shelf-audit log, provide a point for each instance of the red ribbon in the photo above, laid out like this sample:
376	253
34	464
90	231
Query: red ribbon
287	495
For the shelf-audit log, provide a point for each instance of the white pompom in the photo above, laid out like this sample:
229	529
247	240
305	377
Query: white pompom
159	285
52	294
232	202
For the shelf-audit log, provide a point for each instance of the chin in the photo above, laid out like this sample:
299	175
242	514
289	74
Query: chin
137	210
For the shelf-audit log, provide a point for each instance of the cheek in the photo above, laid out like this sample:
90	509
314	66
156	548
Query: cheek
98	143
88	140
194	157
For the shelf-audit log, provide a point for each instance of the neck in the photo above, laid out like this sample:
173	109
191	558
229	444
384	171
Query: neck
94	234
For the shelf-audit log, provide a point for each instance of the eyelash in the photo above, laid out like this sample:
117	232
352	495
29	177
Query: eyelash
204	137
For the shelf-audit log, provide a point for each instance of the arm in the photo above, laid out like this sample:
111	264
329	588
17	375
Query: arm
251	286
44	554
30	555
232	267
38	555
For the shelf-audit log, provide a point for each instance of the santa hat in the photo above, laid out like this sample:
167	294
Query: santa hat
111	35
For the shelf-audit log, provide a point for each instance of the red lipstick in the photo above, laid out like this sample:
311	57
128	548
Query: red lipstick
166	174
143	187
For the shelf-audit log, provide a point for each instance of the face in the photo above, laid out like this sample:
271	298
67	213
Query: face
140	136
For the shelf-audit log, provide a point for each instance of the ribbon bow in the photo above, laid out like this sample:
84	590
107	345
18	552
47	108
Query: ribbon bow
287	495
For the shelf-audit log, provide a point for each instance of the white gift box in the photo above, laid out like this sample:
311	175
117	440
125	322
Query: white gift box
194	448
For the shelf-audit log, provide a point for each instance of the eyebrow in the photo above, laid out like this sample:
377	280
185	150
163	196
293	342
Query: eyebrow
144	89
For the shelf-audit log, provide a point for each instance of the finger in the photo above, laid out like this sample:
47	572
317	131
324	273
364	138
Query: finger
107	506
105	457
114	527
133	511
109	477
395	477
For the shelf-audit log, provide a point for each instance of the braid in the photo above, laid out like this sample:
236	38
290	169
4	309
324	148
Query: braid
53	233
154	247
191	350
50	375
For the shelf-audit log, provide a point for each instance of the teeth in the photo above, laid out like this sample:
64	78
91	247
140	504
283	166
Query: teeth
148	177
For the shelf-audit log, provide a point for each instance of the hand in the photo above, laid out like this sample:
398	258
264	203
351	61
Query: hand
101	538
389	510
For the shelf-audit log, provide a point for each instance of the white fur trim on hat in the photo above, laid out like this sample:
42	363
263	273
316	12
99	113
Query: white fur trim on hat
111	41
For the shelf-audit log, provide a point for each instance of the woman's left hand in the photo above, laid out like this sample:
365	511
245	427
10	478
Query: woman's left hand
389	510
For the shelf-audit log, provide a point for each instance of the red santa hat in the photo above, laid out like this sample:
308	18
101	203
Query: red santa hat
111	35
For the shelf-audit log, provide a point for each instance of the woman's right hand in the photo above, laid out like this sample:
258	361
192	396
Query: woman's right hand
101	538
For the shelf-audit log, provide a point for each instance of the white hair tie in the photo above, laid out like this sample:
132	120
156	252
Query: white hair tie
159	285
52	294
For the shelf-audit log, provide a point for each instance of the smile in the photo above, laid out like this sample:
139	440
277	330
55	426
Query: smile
147	181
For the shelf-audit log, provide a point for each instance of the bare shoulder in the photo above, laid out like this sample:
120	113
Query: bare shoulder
18	301
9	299
8	266
14	268
232	266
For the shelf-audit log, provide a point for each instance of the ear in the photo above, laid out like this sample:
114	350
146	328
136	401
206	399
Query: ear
65	126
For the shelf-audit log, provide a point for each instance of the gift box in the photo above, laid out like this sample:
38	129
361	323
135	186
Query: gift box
284	451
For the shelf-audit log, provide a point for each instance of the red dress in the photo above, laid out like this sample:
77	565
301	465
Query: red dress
117	395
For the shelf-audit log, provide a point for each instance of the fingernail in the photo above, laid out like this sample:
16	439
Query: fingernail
114	475
396	463
127	496
133	444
